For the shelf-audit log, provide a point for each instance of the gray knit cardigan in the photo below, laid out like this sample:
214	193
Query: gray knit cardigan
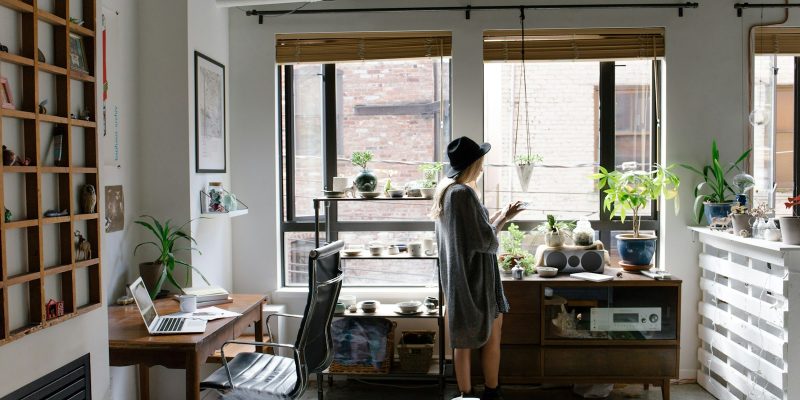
468	264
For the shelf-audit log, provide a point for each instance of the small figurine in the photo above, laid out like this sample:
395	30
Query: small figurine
55	213
88	199
8	215
42	108
54	308
76	21
8	156
3	48
85	114
83	249
40	56
72	116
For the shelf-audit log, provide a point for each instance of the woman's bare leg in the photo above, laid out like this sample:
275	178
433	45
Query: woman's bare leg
490	354
462	363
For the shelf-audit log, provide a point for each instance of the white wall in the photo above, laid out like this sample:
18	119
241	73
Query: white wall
705	91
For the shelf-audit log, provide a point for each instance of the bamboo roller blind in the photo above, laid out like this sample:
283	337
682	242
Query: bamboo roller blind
574	44
777	40
359	46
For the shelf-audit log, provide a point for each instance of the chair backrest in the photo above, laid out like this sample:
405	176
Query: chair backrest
324	283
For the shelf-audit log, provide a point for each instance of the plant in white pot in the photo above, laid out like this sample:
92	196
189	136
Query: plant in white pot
525	165
365	181
714	197
790	225
430	177
555	231
628	193
165	241
740	218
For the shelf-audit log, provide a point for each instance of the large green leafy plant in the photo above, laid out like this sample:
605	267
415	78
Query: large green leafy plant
715	187
513	253
166	237
630	192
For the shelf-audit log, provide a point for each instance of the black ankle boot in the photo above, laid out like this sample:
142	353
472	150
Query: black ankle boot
492	393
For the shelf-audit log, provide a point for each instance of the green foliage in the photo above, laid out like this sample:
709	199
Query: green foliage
361	158
166	237
629	192
388	185
554	225
430	174
715	187
528	263
528	159
511	243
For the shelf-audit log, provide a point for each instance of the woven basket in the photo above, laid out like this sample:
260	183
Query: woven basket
416	358
369	369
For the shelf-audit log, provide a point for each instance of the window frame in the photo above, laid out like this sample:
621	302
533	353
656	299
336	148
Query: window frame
290	223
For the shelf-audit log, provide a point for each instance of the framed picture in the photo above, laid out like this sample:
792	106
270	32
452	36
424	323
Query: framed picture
77	54
6	98
209	108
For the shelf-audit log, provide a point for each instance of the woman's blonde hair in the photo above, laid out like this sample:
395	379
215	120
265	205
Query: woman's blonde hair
470	174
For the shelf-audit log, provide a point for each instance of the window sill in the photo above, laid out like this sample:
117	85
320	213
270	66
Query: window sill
382	294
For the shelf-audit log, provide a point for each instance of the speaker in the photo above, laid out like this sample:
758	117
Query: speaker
575	260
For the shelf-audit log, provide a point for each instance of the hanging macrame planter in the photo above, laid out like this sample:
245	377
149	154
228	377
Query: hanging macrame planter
524	174
524	163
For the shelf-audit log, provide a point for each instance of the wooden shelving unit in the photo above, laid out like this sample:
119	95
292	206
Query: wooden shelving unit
77	282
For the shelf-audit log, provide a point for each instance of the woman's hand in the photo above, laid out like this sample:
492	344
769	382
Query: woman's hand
507	214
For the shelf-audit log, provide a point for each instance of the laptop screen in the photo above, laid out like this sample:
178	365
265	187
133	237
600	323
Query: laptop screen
146	307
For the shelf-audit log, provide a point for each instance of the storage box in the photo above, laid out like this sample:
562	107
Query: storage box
362	345
416	350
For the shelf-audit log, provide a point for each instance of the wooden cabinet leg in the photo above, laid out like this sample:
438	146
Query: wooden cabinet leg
320	382
144	382
646	387
665	389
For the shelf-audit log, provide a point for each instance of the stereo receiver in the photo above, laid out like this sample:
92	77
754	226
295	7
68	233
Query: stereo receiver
612	319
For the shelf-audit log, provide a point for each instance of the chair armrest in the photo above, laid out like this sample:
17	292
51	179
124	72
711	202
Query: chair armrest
266	322
254	343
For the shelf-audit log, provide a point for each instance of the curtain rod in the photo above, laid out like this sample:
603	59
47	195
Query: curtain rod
468	9
741	6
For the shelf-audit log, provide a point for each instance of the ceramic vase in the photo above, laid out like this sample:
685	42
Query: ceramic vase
554	239
741	225
366	181
636	251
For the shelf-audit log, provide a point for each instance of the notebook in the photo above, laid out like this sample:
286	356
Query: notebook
157	325
591	276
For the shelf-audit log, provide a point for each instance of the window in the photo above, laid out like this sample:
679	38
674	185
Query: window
571	125
397	108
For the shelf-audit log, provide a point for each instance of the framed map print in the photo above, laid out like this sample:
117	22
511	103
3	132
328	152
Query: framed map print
209	102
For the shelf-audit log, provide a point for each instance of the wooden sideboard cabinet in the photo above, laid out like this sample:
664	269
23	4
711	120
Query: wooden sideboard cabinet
634	338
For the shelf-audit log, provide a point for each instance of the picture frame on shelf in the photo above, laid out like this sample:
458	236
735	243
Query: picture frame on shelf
209	108
77	54
6	98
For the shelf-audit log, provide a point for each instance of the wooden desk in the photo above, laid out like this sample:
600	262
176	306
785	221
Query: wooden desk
130	344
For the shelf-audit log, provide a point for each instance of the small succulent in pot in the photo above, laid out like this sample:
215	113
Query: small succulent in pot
430	174
555	231
740	220
365	181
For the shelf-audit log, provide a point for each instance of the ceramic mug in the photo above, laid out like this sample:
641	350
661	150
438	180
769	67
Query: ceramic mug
188	303
415	249
339	183
393	250
376	250
427	247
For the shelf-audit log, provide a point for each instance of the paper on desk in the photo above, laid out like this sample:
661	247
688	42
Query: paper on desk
207	313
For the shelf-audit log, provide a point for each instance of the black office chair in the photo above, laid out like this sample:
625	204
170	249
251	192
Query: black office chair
267	376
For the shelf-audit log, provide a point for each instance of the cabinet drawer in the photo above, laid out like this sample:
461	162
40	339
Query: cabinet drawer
603	361
521	329
515	361
523	296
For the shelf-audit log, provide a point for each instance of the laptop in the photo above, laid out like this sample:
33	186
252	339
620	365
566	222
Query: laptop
156	324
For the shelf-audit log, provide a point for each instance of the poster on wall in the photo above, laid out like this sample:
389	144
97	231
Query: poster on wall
115	209
209	102
110	120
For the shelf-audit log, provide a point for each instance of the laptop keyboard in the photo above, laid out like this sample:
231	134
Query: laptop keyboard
170	324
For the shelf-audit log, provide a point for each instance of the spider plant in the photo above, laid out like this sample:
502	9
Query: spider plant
165	240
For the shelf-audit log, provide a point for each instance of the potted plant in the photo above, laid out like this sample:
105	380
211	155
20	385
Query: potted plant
392	191
365	181
525	164
163	267
628	193
430	177
790	225
713	195
555	231
511	247
741	220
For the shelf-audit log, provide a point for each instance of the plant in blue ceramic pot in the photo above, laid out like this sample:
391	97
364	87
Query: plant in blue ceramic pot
628	193
715	195
365	181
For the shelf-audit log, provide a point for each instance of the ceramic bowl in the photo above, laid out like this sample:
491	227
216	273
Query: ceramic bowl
353	251
396	193
376	250
547	272
340	307
369	306
408	307
369	195
427	192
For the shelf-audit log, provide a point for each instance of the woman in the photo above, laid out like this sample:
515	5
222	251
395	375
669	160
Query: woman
467	239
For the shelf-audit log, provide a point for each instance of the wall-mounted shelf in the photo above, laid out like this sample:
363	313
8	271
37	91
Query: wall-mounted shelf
38	261
229	214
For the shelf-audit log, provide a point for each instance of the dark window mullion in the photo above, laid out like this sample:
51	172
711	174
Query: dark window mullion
329	144
796	144
607	88
288	81
655	129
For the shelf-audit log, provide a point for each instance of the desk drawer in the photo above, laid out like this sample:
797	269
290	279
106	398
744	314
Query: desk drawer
521	329
604	361
523	297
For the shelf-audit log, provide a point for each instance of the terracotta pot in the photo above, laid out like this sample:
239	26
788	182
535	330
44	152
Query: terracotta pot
150	272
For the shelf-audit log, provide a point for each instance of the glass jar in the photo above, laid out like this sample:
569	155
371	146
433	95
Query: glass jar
215	194
758	228
583	234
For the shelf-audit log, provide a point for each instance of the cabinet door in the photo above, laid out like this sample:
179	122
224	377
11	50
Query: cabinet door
610	362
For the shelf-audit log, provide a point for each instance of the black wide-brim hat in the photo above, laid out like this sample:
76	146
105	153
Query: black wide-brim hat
462	152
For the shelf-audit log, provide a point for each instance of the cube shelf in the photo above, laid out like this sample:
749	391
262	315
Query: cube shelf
39	260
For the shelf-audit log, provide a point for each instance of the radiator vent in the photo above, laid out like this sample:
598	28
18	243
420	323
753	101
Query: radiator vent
70	382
